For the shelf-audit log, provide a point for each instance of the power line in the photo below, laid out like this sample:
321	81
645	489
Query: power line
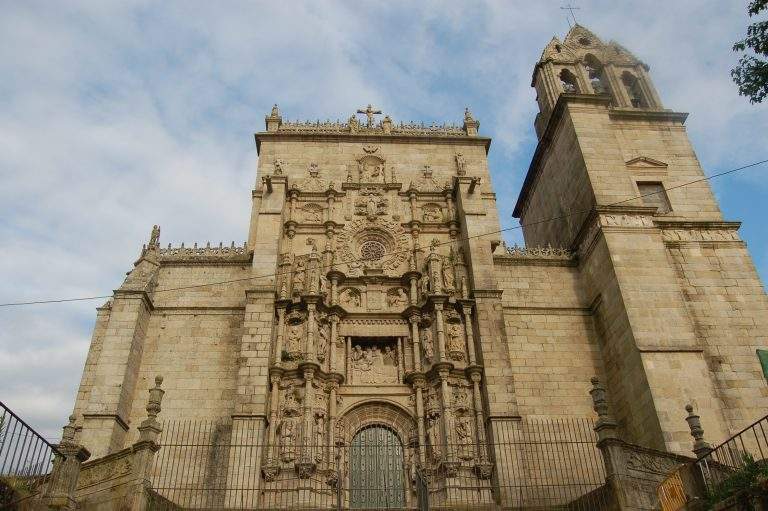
489	233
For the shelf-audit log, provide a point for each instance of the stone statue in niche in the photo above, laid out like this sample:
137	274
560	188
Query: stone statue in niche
319	436
278	167
350	297
460	399
323	284
464	434
432	213
433	435
397	298
293	341
424	285
371	170
456	341
355	269
426	344
299	276
322	342
288	430
461	165
449	280
374	364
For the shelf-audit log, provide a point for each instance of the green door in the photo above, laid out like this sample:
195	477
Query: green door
376	469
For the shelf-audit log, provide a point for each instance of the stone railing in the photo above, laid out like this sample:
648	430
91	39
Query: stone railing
407	129
534	253
207	253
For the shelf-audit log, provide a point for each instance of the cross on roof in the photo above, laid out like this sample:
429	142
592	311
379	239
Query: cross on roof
571	8
369	113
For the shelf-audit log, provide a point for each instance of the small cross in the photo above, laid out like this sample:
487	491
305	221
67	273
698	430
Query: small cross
571	8
369	113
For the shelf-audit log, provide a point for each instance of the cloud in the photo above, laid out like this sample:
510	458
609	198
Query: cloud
115	116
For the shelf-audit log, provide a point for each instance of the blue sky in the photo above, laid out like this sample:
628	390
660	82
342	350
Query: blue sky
115	116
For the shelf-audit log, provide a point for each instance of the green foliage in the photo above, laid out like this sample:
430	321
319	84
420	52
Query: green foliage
751	75
742	479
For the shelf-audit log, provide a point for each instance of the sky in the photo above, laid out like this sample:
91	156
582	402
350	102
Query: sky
115	116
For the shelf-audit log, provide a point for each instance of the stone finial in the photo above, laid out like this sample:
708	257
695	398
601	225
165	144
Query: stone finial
700	447
274	119
471	125
155	398
68	434
606	425
386	125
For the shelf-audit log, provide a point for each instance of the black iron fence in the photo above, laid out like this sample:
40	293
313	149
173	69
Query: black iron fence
741	456
552	464
26	459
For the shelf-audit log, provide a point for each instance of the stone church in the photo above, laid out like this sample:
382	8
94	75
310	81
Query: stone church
375	303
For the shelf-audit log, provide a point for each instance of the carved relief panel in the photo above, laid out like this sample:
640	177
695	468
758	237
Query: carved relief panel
374	363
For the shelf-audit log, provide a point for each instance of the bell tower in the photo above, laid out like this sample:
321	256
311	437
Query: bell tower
657	261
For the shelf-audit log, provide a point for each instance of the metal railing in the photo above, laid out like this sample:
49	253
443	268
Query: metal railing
26	459
213	464
746	450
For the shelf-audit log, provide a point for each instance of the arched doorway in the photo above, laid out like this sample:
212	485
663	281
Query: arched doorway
376	469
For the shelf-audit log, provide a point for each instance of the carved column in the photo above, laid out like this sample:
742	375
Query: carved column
467	310
414	291
400	365
348	360
280	334
483	467
445	401
333	386
419	384
414	320
334	320
292	197
440	332
309	348
306	465
274	396
59	493
448	192
334	289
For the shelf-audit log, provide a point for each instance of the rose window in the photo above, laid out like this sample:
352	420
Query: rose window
372	250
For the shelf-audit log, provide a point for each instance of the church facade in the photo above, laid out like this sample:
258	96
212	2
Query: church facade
374	296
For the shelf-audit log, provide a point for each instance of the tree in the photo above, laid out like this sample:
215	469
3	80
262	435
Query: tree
751	75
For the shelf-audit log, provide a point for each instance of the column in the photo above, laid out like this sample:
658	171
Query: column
467	310
414	320
440	332
412	200
414	291
445	401
479	423
309	349
280	333
334	319
331	421
419	384
400	364
334	289
347	360
273	404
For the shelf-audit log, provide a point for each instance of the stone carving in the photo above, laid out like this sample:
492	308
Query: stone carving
313	183
322	341
426	183
350	297
374	364
370	169
299	276
431	213
465	437
288	431
319	439
625	221
548	252
370	149
312	213
424	286
371	204
455	341
278	164
460	399
449	281
391	242
105	471
353	126
294	341
645	462
206	253
426	343
700	235
461	165
397	298
433	435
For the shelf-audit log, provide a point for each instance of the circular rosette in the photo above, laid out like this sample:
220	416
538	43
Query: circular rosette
380	244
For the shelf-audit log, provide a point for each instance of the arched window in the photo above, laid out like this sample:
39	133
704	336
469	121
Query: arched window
632	85
595	71
568	81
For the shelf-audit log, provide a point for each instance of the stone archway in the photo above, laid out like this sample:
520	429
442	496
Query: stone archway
380	455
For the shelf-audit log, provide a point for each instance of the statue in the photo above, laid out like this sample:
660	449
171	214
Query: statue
397	298
371	208
464	433
424	285
287	438
298	276
448	278
461	164
456	340
323	284
432	214
154	238
322	342
319	437
426	343
433	435
293	345
278	167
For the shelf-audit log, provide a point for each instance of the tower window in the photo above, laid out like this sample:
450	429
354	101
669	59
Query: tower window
568	81
595	73
653	194
632	84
